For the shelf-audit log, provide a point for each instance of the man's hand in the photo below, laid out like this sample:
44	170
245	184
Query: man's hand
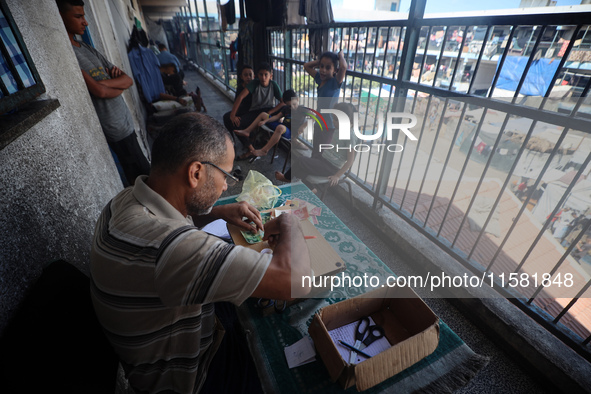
279	228
115	72
233	213
235	120
291	260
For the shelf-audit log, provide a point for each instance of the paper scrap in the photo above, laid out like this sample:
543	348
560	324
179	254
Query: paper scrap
217	228
300	353
279	212
301	213
347	334
317	211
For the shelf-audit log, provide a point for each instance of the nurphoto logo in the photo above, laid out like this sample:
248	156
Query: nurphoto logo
393	121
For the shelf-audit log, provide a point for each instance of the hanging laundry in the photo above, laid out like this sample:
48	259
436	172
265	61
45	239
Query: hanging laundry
293	15
318	12
230	10
246	41
145	67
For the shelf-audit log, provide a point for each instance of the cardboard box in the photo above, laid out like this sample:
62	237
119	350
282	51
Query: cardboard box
409	324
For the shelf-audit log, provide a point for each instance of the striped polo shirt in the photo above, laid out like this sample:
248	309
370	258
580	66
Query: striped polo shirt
154	279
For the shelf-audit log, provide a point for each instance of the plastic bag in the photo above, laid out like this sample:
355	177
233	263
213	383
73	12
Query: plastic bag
259	191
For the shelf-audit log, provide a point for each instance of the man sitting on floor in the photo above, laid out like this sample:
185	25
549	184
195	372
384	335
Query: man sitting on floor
156	275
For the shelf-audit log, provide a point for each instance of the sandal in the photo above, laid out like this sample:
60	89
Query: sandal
245	156
238	173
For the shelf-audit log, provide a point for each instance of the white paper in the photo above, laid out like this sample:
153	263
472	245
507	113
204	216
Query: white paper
279	212
217	228
347	334
300	353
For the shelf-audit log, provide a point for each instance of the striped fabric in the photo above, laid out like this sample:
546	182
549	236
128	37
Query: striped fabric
17	57
155	278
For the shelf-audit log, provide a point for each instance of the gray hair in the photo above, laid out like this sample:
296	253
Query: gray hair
187	138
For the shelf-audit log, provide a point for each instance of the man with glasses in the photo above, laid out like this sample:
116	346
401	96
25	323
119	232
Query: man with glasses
156	276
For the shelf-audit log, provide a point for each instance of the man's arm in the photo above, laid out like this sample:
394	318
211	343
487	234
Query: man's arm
233	213
98	89
119	80
283	278
164	96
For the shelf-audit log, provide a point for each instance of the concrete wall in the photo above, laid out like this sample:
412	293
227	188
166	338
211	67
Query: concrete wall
56	178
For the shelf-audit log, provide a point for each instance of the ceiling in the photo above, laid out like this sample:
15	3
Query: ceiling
162	9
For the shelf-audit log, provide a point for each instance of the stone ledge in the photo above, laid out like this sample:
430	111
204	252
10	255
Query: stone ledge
16	124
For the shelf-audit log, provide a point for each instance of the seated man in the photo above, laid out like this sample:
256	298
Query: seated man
156	276
173	84
175	100
165	57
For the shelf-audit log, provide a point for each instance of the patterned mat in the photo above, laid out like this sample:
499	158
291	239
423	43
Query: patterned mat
450	367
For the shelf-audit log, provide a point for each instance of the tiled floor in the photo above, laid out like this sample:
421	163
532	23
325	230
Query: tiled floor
505	373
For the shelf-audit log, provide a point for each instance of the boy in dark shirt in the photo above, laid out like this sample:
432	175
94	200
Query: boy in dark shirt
244	78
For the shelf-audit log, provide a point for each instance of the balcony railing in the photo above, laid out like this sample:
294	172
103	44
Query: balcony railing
499	175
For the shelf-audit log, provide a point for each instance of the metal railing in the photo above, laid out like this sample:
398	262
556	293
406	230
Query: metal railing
207	44
503	149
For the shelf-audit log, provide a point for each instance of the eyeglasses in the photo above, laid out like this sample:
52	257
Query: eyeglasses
231	180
